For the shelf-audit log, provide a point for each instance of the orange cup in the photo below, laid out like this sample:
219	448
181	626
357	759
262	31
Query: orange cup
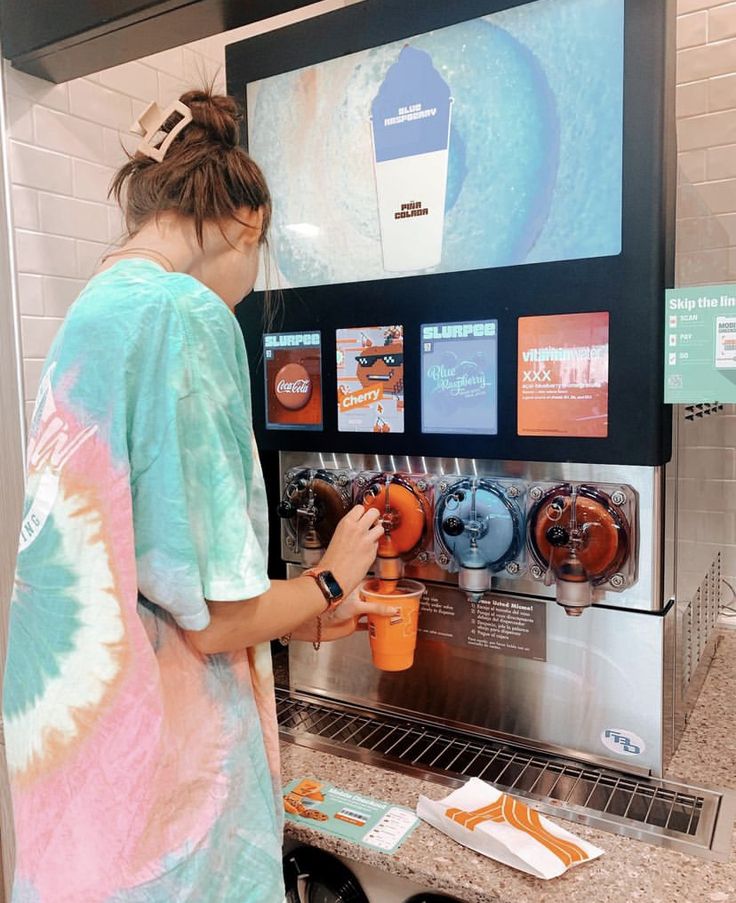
393	638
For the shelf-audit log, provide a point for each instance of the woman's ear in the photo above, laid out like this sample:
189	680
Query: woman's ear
249	229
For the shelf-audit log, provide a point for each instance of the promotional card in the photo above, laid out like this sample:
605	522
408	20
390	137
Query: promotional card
293	372
362	820
563	375
370	379
700	351
460	377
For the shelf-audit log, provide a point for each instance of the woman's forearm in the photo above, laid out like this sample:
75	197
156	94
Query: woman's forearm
234	626
328	630
288	604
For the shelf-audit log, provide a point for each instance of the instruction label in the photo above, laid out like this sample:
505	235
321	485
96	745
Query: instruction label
509	625
360	819
700	344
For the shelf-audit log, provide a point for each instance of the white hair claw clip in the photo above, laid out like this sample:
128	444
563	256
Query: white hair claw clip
149	124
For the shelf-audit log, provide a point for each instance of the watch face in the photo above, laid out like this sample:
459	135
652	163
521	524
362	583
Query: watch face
330	584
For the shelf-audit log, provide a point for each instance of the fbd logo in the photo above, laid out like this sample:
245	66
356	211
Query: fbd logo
622	742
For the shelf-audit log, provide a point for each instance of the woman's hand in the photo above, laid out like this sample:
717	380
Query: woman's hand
292	606
353	547
345	618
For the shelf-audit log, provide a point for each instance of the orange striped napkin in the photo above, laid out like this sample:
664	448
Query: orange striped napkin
486	820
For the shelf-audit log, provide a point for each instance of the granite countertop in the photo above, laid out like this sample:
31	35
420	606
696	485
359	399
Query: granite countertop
629	870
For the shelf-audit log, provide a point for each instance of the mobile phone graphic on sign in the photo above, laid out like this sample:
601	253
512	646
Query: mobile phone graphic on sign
293	380
370	379
459	377
563	375
725	351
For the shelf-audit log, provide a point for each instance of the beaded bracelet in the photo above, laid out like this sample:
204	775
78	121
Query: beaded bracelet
284	640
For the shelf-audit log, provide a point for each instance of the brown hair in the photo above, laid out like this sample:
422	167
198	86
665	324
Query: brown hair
205	174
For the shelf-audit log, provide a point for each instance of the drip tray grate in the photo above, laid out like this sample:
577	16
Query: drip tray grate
667	813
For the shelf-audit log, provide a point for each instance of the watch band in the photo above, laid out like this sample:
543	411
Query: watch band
320	575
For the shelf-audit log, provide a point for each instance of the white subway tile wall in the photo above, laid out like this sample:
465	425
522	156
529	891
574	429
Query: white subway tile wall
66	140
706	129
39	168
136	80
706	253
30	292
25	207
40	253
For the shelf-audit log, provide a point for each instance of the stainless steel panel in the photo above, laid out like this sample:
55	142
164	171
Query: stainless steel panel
648	593
604	671
701	525
669	669
693	546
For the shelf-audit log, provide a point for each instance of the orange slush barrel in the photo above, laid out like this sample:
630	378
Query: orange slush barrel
604	542
404	518
579	535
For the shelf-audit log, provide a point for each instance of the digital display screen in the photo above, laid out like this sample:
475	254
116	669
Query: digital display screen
370	379
460	377
293	375
563	375
488	143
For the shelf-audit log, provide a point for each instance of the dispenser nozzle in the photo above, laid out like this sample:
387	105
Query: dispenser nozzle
389	568
574	589
474	576
312	549
577	596
309	541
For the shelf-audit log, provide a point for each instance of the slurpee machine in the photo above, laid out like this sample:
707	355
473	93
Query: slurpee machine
472	233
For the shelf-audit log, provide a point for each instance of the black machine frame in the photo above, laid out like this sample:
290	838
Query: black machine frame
629	285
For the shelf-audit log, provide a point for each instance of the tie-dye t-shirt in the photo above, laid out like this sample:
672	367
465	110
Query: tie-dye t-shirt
141	772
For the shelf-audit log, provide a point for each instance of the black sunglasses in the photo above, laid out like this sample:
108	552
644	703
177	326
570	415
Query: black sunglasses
391	360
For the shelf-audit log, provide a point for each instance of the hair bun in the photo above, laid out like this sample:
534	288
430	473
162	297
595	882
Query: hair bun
216	114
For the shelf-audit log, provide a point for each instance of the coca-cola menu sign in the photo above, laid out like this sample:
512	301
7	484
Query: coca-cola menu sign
293	368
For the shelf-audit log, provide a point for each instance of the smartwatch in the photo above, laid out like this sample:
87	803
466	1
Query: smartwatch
331	589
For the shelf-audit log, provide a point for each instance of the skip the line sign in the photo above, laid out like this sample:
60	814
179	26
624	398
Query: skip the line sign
700	344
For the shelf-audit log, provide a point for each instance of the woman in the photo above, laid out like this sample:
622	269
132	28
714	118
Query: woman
138	696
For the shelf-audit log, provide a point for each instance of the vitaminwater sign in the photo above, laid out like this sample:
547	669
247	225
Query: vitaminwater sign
563	375
700	344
